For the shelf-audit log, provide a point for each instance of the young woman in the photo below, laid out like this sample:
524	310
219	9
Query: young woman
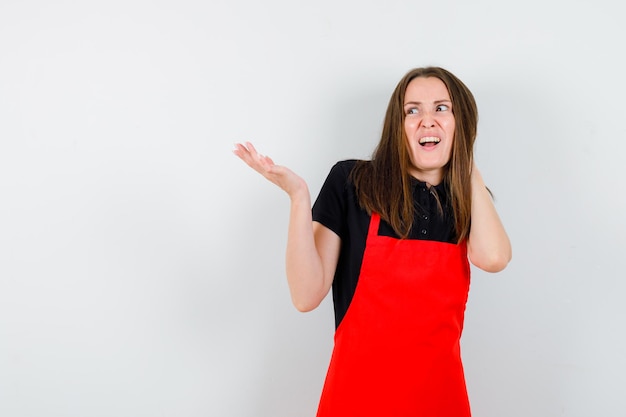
393	236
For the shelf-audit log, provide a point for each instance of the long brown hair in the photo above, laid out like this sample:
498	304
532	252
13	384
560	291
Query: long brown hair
384	184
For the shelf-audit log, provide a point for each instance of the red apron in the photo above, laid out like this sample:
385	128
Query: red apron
397	349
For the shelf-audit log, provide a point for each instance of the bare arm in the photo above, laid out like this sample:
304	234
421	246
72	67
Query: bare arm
312	249
489	247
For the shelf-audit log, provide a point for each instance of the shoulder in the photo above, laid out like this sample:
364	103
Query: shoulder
337	207
338	189
342	170
344	167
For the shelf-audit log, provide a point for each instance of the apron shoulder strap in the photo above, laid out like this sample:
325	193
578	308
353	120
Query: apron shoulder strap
374	224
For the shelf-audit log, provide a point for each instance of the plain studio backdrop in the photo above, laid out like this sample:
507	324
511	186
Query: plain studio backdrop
142	263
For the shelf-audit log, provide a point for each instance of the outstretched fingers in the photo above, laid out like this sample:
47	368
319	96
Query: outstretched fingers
264	165
248	153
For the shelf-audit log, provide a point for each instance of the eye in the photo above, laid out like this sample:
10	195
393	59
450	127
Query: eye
411	110
442	107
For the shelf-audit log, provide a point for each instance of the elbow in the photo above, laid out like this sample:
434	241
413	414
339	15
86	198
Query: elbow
494	262
306	297
305	305
495	266
304	308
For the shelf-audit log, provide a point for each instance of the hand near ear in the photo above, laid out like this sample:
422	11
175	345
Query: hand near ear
489	247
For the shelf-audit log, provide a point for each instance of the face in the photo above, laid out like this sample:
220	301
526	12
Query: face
429	127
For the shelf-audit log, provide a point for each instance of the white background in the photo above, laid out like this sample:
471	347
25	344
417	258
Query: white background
141	263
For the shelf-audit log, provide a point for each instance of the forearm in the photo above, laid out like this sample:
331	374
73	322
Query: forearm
488	246
308	283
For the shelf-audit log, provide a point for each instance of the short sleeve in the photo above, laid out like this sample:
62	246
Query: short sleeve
330	207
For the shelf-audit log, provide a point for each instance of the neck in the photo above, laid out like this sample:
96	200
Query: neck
429	177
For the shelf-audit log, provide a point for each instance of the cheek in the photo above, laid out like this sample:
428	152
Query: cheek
409	125
450	128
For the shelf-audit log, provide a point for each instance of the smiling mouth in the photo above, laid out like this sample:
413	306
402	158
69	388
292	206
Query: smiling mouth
429	141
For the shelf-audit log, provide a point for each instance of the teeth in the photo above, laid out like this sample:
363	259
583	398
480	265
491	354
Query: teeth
429	139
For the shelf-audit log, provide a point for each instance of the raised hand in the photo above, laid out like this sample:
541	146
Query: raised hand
489	247
282	176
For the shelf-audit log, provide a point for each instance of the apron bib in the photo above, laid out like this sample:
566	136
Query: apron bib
397	350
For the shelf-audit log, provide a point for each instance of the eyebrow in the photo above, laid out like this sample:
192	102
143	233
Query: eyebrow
435	102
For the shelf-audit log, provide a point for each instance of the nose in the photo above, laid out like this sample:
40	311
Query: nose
428	120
